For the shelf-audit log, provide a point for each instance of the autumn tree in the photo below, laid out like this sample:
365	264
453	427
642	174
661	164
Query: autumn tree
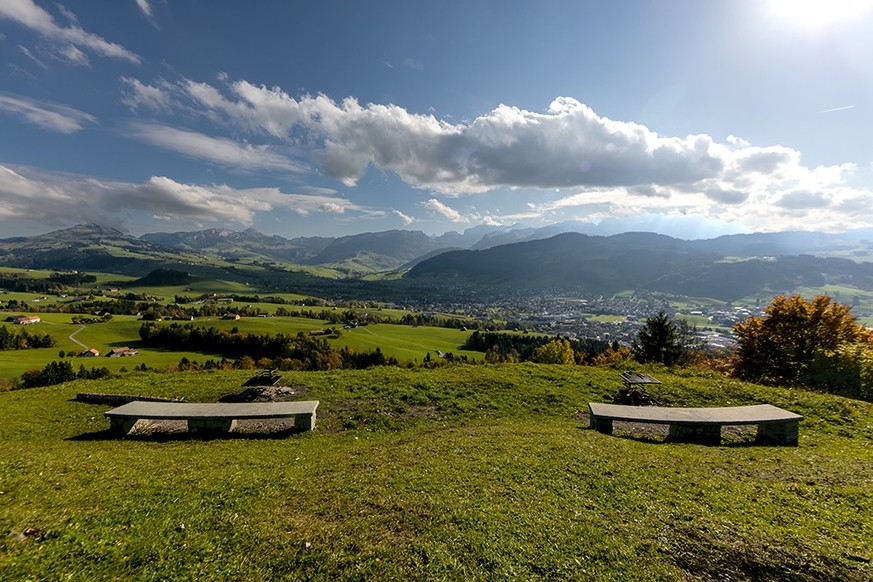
558	351
814	343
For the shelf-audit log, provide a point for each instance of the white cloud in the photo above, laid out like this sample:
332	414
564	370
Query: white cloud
26	52
28	14
405	219
67	14
803	200
568	147
145	7
74	56
508	147
214	149
444	210
63	200
50	116
137	94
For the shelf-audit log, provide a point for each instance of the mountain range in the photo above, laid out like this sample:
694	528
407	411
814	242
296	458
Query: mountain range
596	265
727	267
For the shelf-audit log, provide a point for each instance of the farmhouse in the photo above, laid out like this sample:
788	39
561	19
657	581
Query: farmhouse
121	352
90	353
26	319
230	316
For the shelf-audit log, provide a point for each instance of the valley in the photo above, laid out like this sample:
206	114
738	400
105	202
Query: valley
570	285
449	462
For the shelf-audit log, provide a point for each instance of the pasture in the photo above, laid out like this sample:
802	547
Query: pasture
406	343
456	473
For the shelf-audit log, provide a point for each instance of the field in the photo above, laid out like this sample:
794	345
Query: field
405	343
457	473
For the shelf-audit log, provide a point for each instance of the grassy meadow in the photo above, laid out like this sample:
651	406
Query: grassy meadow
406	343
457	473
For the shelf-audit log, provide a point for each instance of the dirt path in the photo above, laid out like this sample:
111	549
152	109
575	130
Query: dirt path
71	337
75	341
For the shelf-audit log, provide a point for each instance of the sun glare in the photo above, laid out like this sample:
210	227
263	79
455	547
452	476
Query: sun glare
813	13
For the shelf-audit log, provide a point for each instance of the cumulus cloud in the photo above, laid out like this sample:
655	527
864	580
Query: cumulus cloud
218	150
568	145
27	13
508	147
50	116
61	199
588	158
803	200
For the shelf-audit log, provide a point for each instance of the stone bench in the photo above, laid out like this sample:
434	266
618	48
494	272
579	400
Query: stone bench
211	418
775	425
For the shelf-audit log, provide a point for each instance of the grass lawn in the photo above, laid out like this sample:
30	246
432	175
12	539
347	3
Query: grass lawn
458	473
407	343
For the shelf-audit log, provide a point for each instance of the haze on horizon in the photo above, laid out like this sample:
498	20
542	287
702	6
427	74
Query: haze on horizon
686	118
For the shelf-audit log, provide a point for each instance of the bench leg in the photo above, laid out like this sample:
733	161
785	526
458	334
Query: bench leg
695	433
304	422
603	425
781	433
121	426
210	426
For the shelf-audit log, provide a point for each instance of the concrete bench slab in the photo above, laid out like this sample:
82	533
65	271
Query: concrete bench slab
702	424
217	417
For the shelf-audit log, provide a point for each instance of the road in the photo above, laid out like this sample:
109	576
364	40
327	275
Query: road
72	337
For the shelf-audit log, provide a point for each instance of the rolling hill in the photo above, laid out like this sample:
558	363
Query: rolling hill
88	246
604	265
249	243
725	268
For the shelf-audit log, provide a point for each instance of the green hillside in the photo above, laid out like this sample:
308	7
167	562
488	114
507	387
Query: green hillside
458	473
403	342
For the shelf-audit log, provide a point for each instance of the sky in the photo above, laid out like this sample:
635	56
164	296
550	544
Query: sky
331	118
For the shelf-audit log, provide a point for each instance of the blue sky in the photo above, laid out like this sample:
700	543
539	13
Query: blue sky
331	118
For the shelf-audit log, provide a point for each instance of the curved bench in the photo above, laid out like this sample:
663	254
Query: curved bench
209	418
775	424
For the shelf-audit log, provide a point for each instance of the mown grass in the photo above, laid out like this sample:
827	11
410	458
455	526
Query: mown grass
458	473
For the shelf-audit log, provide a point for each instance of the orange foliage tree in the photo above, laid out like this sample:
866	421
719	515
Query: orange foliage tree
814	343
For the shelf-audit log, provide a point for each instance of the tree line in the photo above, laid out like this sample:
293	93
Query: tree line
22	339
54	283
183	309
282	351
57	373
505	347
816	344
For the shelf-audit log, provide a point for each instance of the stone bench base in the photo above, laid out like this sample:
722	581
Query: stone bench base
211	419
703	425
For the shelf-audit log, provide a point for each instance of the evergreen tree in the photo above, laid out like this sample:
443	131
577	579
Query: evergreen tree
660	340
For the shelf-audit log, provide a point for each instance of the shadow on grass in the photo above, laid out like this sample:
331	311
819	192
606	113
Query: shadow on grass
732	443
732	439
175	436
